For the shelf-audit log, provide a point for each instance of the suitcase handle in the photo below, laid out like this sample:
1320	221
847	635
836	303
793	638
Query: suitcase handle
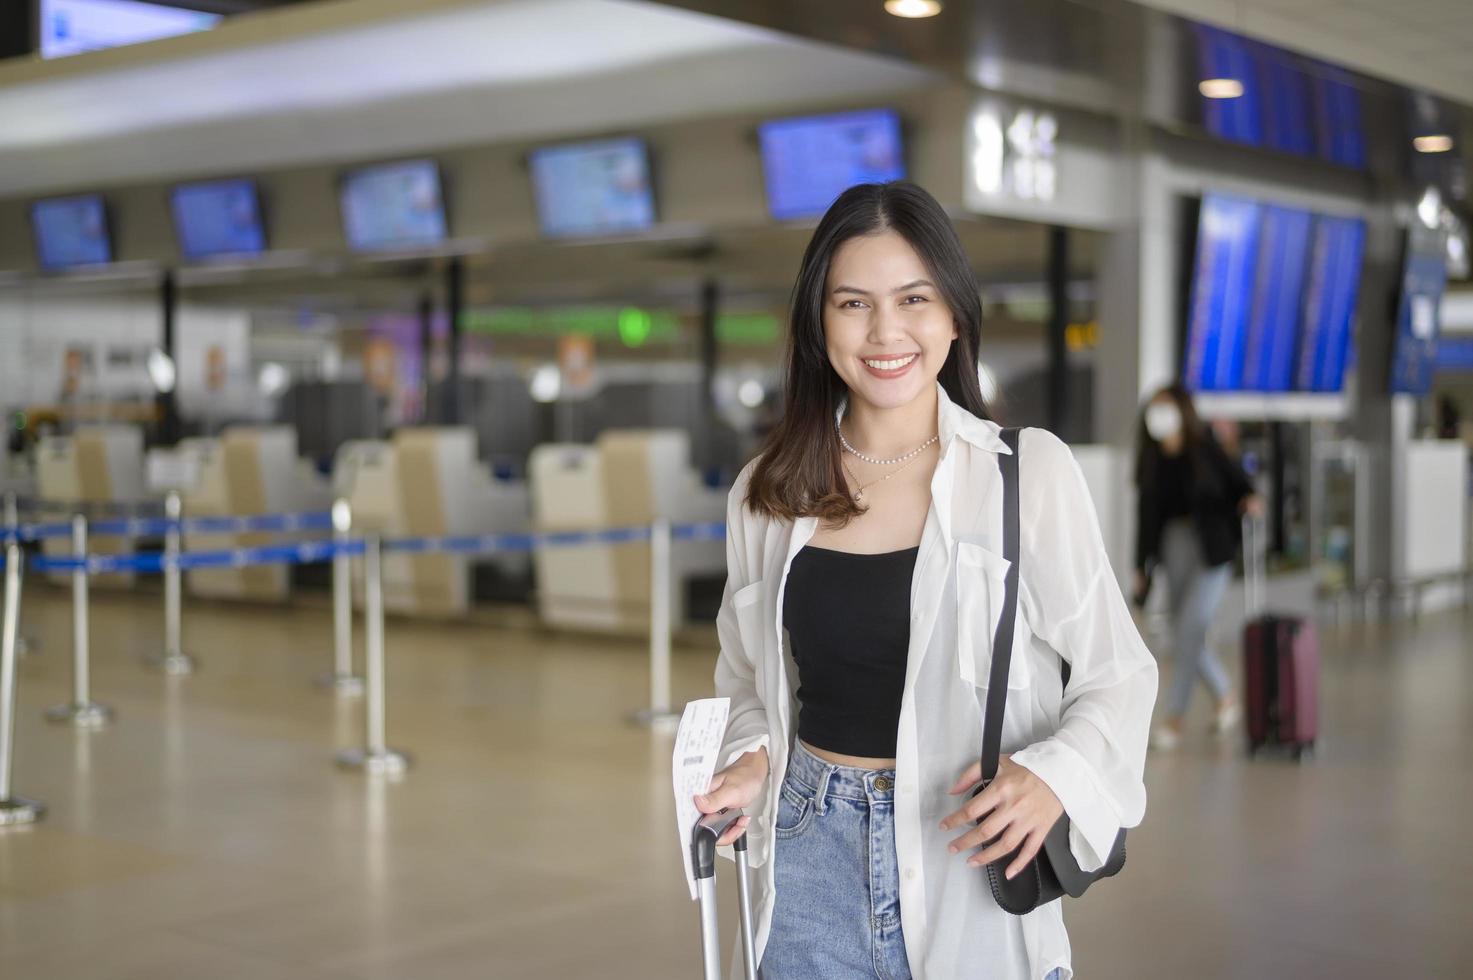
707	832
1255	565
704	835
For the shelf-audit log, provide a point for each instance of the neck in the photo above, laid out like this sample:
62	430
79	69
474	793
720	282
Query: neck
889	432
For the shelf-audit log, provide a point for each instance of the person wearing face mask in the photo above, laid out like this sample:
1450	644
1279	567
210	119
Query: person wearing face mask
1192	497
865	582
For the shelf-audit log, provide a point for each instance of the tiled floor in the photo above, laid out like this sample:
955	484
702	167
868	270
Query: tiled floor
206	834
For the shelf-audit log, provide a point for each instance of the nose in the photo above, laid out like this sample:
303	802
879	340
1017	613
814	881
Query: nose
885	326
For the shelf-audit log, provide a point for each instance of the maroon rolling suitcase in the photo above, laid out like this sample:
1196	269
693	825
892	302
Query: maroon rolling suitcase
1281	666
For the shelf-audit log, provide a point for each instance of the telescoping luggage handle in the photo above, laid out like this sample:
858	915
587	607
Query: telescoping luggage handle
707	832
1255	564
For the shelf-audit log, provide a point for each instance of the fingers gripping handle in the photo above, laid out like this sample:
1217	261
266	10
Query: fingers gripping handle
707	832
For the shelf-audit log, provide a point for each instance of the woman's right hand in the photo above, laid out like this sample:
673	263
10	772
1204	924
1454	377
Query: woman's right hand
735	786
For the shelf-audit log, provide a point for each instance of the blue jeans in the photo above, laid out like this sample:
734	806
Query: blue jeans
1196	590
837	909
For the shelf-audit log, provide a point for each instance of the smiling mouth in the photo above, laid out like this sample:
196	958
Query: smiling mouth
889	363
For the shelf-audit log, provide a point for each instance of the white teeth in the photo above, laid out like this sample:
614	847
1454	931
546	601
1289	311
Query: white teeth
890	365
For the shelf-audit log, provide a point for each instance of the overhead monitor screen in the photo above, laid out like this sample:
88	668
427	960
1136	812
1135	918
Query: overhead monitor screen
808	162
1419	312
218	218
393	206
1222	292
71	231
75	26
1329	304
597	188
1278	299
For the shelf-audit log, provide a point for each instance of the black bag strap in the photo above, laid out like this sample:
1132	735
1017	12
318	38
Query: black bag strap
1002	640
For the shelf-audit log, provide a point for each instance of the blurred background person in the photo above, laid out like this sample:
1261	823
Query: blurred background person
1191	499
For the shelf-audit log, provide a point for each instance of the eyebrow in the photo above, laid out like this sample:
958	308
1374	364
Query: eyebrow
899	289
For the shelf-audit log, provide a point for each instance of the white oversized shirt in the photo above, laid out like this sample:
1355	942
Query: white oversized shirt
1089	747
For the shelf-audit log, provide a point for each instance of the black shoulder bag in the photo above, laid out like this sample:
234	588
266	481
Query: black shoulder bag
1053	873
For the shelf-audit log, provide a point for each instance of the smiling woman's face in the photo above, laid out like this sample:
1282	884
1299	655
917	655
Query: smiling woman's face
886	326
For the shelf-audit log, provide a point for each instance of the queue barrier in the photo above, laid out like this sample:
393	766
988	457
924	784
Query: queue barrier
375	756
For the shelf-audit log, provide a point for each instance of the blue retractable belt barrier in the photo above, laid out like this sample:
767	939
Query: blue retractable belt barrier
258	523
502	543
34	532
310	552
303	553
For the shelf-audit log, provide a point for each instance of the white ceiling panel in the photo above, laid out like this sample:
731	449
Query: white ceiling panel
398	77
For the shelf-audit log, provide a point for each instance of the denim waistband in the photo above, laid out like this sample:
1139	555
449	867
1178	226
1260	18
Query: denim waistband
827	780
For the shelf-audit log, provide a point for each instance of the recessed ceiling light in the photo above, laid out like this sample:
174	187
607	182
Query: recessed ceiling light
1221	88
1439	143
913	8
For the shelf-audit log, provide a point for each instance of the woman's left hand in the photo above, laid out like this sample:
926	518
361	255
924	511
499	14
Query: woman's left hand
1018	805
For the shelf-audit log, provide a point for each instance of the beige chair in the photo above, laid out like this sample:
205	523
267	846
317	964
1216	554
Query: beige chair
98	464
627	478
426	482
248	471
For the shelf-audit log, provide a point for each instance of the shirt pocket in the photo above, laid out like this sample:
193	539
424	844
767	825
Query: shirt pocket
980	588
748	605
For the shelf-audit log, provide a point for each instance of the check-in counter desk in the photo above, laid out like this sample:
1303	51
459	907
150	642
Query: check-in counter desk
248	471
96	465
427	482
627	478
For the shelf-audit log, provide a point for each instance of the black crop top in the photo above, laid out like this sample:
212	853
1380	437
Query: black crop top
848	617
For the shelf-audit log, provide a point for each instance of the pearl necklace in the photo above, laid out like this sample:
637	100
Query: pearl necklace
883	462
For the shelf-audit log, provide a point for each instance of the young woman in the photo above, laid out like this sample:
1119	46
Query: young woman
1191	501
869	529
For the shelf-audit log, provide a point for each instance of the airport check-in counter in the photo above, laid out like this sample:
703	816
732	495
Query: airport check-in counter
427	482
96	465
247	471
627	478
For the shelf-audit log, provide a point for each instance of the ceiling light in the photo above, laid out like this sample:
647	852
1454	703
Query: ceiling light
161	371
1429	208
913	8
547	383
1438	143
1221	88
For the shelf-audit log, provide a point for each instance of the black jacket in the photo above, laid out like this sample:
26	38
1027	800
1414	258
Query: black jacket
1218	486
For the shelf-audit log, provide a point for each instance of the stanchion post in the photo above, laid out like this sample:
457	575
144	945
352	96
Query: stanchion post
659	715
24	645
82	711
375	756
342	679
13	809
173	660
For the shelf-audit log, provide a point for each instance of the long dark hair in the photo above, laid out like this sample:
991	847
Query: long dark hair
800	473
1148	450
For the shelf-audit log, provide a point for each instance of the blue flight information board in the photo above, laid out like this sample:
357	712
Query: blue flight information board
1278	296
1224	55
393	206
1329	305
218	218
595	188
1289	103
808	162
71	231
1419	312
1222	292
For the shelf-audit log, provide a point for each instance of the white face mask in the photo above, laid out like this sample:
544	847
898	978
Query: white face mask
1163	420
